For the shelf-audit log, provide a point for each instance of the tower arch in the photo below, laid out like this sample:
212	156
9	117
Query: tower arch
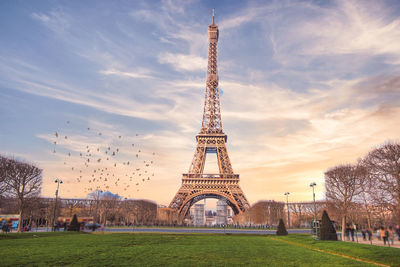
204	195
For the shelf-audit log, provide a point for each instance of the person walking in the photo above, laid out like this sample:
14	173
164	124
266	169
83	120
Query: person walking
378	233
390	235
398	231
364	233
352	232
347	232
369	232
383	235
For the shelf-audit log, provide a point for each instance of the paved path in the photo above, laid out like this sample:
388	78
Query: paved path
186	230
377	242
204	230
358	239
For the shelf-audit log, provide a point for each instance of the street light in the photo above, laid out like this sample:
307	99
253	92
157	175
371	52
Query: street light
287	204
313	184
97	204
58	181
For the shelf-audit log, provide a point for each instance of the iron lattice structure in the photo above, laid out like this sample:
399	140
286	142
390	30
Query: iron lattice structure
195	184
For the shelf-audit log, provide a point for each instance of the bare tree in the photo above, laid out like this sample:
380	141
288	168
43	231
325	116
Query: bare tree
303	212
297	213
96	196
145	212
366	196
109	207
383	164
343	184
36	209
4	165
266	212
24	181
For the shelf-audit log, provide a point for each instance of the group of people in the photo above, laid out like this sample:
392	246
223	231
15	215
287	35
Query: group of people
387	234
349	231
6	227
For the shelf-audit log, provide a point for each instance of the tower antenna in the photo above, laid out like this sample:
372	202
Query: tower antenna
213	16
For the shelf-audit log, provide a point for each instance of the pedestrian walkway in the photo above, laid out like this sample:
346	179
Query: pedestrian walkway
376	242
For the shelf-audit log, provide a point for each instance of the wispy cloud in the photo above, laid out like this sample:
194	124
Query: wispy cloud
183	62
41	17
353	28
139	75
249	14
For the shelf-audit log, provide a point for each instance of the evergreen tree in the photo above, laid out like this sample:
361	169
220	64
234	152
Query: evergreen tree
74	225
327	231
281	228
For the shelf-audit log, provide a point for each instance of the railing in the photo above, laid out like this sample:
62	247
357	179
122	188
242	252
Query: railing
208	176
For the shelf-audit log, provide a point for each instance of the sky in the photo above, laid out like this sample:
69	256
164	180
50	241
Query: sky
305	85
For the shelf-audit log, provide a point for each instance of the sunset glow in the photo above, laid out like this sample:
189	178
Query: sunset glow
303	86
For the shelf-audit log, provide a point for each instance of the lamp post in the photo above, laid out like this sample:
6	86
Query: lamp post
287	205
58	181
313	184
97	205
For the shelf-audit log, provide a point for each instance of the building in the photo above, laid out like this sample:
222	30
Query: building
210	220
198	218
222	212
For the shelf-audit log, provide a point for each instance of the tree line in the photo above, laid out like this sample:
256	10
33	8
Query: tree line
20	188
104	210
370	187
264	212
19	180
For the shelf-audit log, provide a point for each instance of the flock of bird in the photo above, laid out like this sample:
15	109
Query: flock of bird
106	166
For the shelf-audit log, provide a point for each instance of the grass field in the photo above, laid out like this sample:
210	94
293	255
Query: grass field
81	249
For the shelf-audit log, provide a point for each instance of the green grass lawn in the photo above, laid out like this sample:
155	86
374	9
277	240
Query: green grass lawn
80	249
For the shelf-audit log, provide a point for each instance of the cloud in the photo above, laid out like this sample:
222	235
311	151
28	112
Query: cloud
137	75
285	126
176	26
353	28
347	28
249	14
40	17
199	83
344	35
59	164
306	86
181	62
234	22
105	102
174	6
56	20
168	101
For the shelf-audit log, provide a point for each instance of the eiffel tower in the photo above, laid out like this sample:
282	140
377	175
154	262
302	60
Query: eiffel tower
197	185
